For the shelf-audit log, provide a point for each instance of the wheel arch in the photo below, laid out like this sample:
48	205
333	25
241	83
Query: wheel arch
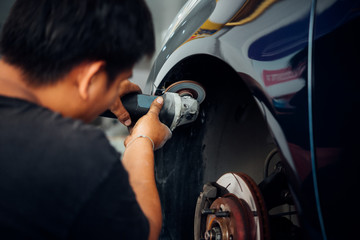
200	68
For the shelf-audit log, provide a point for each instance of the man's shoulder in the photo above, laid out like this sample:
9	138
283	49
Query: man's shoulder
75	142
32	132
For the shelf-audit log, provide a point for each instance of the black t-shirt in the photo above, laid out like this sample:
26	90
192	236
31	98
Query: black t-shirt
61	179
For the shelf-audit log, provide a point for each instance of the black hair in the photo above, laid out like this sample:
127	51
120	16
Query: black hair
47	38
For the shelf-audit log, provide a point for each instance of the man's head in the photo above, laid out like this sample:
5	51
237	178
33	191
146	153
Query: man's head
46	39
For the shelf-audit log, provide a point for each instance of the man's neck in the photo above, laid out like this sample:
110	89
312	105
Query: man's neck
12	83
65	96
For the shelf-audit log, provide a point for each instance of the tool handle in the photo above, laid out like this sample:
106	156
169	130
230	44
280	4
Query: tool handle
139	104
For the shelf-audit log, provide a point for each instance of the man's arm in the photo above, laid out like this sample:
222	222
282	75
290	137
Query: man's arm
138	160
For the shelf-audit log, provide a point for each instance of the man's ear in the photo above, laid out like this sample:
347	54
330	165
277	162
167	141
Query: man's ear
86	74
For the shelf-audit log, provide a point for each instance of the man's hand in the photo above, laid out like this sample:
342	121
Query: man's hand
150	125
118	108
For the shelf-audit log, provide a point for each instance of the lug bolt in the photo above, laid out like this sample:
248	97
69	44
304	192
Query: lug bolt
208	211
222	214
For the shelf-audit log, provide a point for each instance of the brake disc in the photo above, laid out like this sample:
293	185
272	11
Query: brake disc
236	211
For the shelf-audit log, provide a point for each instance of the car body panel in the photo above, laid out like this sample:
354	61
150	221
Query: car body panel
270	54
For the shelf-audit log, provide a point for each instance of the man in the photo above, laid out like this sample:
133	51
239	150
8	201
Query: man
63	63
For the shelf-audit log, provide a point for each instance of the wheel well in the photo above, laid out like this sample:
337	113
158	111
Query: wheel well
228	94
202	68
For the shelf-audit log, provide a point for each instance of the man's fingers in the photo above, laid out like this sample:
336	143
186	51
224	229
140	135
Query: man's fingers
118	108
120	112
156	105
123	116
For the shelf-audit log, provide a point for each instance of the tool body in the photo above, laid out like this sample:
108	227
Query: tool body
180	107
176	110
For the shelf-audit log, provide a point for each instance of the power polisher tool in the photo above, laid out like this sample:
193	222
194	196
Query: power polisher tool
181	104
